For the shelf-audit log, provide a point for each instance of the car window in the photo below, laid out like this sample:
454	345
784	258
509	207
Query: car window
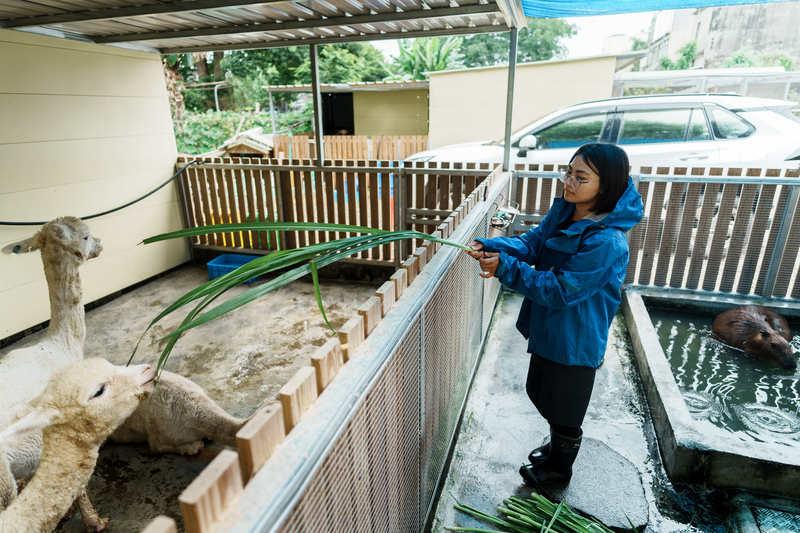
728	125
698	127
571	133
657	126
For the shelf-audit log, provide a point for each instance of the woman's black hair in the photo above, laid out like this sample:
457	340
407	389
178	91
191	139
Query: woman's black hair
610	162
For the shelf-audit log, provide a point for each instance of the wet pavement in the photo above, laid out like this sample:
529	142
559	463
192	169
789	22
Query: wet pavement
617	475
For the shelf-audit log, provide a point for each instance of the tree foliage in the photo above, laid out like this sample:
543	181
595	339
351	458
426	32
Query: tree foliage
539	41
418	56
686	56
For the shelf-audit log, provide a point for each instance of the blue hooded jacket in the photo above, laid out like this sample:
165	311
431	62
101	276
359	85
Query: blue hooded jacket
570	279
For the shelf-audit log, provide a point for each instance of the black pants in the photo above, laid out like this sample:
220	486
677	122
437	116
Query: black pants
561	393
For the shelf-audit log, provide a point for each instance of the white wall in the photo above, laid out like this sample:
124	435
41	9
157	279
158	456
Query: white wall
86	128
470	105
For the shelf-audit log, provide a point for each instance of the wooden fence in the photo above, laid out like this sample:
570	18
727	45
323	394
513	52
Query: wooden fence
355	147
361	193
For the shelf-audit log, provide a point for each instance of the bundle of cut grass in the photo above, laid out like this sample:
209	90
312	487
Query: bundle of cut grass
535	514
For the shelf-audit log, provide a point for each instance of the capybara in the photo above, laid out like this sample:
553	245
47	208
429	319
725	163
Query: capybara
757	330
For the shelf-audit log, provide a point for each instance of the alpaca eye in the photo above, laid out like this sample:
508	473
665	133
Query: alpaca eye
100	391
86	238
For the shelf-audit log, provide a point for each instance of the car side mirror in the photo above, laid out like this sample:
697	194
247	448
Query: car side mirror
526	143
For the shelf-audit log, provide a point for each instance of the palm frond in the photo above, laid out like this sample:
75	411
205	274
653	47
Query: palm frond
299	262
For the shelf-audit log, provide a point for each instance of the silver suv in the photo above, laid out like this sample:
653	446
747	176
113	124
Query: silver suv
687	130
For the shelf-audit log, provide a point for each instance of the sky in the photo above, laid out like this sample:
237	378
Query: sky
589	39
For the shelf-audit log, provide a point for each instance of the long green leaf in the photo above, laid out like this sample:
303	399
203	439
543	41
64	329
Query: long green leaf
310	258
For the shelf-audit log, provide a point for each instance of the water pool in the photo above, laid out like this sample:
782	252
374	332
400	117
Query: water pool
726	390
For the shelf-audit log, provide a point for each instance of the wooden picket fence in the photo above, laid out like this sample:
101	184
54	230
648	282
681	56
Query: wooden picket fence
375	147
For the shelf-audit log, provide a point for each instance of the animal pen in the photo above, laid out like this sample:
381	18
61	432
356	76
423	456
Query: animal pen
366	451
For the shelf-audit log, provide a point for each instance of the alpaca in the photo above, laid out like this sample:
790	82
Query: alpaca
177	417
80	407
65	244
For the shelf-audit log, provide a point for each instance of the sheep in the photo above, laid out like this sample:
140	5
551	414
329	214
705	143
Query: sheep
65	244
80	407
177	417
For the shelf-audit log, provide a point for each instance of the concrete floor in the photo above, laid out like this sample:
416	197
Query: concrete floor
241	360
617	475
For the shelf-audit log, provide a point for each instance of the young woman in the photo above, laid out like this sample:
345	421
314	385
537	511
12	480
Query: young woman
570	269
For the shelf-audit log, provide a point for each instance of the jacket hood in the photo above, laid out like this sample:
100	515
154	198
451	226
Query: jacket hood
627	213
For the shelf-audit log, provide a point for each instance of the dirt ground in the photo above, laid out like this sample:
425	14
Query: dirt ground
241	360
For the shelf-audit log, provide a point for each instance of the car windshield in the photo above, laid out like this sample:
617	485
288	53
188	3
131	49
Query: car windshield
569	133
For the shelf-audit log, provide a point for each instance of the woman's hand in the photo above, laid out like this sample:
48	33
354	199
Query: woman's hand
489	264
477	250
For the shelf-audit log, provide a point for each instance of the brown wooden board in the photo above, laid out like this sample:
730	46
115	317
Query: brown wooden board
698	256
635	236
761	223
652	232
744	217
721	236
667	244
783	199
683	245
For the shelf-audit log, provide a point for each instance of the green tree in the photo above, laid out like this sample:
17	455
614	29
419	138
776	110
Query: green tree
539	41
686	56
342	63
418	56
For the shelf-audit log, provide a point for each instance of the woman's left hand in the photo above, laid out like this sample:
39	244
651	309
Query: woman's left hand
489	264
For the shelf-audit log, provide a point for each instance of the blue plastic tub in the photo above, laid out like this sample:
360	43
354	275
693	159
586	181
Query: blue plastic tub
228	263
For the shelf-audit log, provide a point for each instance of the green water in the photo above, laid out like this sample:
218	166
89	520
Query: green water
727	390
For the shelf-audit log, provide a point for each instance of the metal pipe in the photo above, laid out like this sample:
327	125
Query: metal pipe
318	134
274	123
512	71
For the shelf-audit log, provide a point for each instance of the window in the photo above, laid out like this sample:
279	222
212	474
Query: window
698	128
727	125
571	133
661	126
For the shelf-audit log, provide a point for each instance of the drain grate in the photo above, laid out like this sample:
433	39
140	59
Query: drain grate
775	521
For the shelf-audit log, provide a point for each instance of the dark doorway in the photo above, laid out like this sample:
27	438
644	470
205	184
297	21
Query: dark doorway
337	114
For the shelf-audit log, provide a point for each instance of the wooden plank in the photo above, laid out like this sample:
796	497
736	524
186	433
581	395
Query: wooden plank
221	190
257	439
422	256
265	204
374	203
387	210
701	236
411	266
761	224
668	235
233	181
330	205
371	312
362	194
205	500
161	524
351	336
341	205
288	238
444	186
352	202
319	197
205	177
194	177
327	361
744	217
684	243
298	179
297	396
388	295
249	201
721	235
651	235
636	235
400	279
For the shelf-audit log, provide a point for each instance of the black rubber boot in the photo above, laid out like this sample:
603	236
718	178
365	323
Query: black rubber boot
540	454
558	465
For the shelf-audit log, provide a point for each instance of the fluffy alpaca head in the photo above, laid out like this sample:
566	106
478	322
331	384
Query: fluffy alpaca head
89	398
64	234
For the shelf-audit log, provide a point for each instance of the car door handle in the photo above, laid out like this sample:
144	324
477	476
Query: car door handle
693	156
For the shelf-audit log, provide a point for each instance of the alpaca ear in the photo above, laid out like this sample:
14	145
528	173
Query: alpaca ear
61	232
20	247
34	421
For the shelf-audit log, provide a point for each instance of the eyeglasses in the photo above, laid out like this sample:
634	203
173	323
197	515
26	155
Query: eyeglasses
571	179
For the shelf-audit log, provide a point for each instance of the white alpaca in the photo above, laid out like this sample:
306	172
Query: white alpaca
80	407
65	244
177	417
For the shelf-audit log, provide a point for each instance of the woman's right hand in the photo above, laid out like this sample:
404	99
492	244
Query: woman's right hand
477	250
